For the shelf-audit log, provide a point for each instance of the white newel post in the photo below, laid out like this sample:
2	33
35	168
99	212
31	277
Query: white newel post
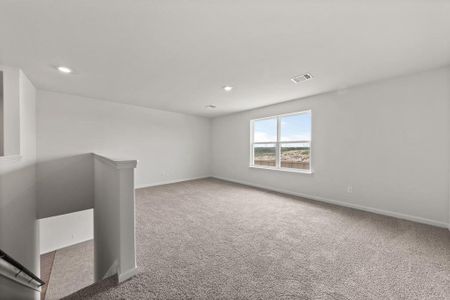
114	218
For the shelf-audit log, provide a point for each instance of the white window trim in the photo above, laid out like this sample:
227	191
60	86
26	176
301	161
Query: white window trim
277	145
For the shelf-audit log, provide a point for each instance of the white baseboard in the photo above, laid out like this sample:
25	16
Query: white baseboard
141	186
345	204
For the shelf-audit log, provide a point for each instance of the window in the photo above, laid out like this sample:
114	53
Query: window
282	142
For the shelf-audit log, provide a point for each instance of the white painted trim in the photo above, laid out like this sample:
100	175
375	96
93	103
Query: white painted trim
142	186
289	170
126	275
345	204
117	163
308	110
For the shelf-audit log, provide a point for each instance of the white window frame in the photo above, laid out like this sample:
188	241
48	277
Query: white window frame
278	144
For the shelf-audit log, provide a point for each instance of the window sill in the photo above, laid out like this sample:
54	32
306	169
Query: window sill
309	172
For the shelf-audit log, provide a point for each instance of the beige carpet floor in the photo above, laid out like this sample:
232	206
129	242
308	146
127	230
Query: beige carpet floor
73	269
210	239
46	269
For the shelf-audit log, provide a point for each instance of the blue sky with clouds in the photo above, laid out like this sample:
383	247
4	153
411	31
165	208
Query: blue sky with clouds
293	128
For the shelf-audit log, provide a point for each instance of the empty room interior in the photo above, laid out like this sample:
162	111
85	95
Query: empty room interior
224	149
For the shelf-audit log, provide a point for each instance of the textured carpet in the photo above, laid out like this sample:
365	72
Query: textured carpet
46	269
209	239
73	269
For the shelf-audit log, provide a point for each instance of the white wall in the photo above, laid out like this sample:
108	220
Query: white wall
18	227
372	137
114	218
1	113
389	140
11	107
61	231
169	147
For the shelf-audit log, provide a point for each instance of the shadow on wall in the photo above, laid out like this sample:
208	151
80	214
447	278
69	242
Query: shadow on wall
65	185
18	230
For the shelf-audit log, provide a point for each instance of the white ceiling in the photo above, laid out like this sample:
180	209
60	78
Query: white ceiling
177	54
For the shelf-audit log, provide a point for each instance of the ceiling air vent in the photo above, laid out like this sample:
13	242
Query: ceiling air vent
300	78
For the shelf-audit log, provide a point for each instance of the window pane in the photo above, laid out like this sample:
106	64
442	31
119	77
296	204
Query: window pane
264	155
265	130
296	127
296	155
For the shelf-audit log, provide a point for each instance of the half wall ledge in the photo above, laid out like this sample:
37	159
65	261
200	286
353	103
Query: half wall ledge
114	218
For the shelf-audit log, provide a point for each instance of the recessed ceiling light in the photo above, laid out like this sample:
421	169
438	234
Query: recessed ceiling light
64	70
227	88
210	106
300	78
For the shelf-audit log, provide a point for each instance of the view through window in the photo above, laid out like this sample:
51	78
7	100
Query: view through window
282	142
